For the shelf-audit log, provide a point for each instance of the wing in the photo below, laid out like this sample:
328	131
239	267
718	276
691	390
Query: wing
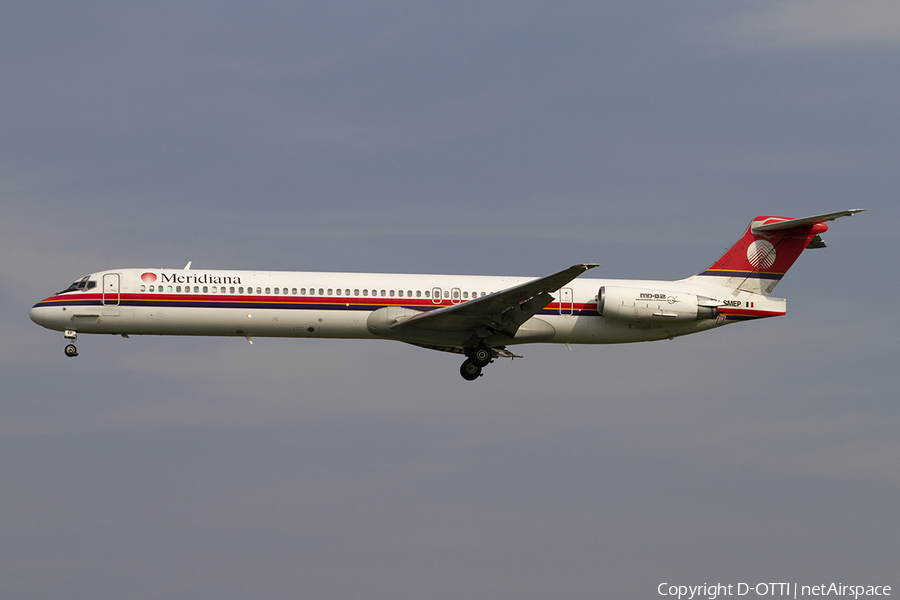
501	312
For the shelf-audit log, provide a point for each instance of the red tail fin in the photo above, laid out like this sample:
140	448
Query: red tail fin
758	261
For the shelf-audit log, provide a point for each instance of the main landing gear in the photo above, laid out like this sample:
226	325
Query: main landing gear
479	358
71	350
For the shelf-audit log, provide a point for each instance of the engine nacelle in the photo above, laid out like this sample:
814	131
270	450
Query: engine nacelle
641	304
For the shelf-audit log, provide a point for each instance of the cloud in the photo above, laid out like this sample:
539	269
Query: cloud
814	22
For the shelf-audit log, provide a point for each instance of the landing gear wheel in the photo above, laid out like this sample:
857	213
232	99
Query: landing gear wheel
482	356
71	350
470	371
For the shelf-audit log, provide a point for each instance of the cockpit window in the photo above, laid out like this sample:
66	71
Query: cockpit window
81	285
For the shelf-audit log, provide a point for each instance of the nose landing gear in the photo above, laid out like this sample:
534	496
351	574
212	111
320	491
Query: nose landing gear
71	350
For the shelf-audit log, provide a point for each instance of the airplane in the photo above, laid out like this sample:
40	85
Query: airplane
480	317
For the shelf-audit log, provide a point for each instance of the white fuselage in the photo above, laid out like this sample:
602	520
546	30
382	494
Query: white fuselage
342	305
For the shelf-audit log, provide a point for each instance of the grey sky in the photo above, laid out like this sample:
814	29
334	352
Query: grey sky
466	137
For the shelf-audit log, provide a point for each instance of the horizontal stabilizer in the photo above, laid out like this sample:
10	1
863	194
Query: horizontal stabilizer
788	224
815	243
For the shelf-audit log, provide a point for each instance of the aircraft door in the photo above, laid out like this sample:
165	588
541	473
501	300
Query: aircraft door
111	289
566	304
436	297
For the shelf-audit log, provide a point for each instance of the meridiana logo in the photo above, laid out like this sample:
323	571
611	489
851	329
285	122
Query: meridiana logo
761	254
149	277
204	278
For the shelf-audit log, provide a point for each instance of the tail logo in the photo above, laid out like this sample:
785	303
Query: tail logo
761	254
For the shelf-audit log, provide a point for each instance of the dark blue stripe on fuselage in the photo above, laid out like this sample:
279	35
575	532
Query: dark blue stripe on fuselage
271	303
745	274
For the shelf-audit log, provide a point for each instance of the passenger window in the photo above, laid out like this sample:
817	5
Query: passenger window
356	292
418	293
427	294
383	293
214	289
231	290
365	292
330	292
240	290
267	290
346	292
259	290
293	291
465	294
392	293
321	292
446	294
339	291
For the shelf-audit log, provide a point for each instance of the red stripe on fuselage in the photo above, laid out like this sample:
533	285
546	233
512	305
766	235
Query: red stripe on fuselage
746	313
282	302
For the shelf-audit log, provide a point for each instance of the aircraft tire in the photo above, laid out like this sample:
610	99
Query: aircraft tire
481	356
71	350
470	371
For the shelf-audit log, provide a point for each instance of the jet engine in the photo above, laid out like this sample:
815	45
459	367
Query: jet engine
640	304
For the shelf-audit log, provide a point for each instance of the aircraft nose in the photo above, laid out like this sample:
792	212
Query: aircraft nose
37	314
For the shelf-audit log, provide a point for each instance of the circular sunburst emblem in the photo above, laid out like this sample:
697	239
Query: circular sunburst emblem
761	254
148	277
